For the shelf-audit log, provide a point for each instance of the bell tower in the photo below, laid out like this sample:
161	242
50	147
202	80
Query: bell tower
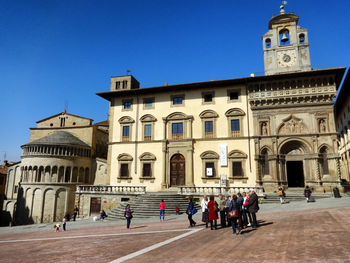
286	45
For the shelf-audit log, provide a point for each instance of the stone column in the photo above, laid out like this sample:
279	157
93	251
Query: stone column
66	205
189	168
164	165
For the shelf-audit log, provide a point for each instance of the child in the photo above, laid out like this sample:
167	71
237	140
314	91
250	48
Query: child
281	195
57	227
177	209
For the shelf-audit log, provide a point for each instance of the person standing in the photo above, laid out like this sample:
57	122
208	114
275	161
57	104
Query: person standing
205	211
190	212
235	206
245	212
213	209
128	215
64	222
227	205
307	193
222	204
161	210
281	195
253	207
75	213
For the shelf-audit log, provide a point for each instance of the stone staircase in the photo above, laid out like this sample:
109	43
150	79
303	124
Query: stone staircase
292	195
147	205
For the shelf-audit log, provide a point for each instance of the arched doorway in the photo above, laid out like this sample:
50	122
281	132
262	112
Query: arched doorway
293	152
177	170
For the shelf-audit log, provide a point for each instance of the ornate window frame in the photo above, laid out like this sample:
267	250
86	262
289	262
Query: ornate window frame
178	117
235	114
208	115
212	157
126	121
124	158
237	156
148	119
147	158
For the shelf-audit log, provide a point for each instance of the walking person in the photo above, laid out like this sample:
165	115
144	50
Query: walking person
75	213
161	210
205	211
307	193
253	207
222	204
190	211
282	195
64	222
128	215
213	210
235	206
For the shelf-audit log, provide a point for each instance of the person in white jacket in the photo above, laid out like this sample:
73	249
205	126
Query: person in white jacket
205	211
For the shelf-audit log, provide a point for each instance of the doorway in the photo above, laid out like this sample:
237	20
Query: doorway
95	206
295	174
177	170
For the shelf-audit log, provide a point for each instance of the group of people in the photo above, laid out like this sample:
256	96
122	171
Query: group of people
238	211
307	194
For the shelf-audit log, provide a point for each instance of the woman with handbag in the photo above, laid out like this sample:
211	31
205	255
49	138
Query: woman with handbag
128	215
213	212
234	214
191	210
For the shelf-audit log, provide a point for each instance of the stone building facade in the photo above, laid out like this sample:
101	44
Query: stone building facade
342	120
267	131
62	153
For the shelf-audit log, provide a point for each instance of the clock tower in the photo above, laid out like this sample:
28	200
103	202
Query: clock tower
286	45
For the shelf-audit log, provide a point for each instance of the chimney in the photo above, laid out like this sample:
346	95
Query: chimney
166	84
252	75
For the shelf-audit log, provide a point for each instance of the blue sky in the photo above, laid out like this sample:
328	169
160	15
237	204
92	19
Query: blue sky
57	52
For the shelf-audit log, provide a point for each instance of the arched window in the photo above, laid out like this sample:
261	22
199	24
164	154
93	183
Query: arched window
266	166
267	43
284	37
301	39
324	160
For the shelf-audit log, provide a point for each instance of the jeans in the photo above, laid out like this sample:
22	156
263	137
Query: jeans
162	211
235	225
192	222
223	218
246	215
254	222
128	222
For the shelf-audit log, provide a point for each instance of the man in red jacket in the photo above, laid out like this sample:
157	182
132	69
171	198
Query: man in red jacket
162	210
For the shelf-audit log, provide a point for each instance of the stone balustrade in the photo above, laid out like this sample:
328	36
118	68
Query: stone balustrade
110	189
216	190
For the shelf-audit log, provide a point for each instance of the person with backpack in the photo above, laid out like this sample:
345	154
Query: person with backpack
282	195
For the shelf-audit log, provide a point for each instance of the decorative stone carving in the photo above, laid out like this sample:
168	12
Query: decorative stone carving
322	125
263	128
292	125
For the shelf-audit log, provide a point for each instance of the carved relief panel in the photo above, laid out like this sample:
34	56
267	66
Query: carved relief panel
292	125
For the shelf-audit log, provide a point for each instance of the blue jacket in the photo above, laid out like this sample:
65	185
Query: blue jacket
234	205
190	207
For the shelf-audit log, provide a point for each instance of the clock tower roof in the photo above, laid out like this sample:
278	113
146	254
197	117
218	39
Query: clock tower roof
282	19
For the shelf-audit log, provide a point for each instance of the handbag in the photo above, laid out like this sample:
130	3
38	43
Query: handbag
232	214
216	208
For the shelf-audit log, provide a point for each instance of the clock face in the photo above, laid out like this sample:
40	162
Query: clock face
286	58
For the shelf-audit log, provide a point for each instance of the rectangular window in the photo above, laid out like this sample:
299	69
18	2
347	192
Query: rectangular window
117	85
148	103
177	100
124	170
208	97
235	130
148	132
146	170
126	133
237	169
209	169
233	95
208	129
125	84
177	130
127	104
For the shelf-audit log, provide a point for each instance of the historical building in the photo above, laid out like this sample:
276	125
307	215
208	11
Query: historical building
63	151
267	131
342	120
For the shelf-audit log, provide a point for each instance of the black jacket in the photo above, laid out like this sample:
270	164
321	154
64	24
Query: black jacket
253	205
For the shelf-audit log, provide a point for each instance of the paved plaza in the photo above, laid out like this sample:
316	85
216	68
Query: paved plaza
294	232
